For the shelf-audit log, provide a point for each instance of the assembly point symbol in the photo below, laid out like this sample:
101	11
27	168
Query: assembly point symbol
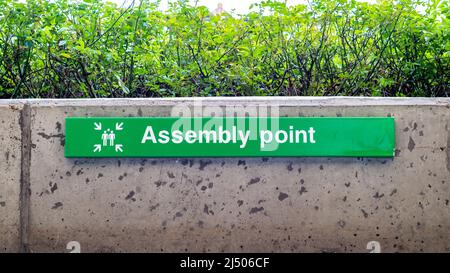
108	137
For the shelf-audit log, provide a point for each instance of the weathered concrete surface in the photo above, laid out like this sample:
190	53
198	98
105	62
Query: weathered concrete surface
244	204
10	171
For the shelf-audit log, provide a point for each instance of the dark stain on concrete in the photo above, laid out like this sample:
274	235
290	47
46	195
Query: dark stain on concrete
62	138
160	183
394	191
240	202
419	225
365	214
420	133
347	184
7	155
414	126
184	162
99	175
207	210
406	129
42	192
378	195
130	196
58	126
411	144
265	159
289	167
420	205
53	187
2	204
139	112
254	180
321	167
341	223
282	196
256	210
57	205
178	214
397	152
302	190
141	169
80	171
302	181
203	164
68	173
241	162
170	175
199	181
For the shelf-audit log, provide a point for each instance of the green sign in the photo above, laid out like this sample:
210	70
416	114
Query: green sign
229	137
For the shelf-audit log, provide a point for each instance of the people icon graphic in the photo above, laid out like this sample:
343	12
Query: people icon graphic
108	135
105	138
112	136
108	138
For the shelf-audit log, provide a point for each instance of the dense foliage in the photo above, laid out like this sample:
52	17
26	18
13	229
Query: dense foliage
90	48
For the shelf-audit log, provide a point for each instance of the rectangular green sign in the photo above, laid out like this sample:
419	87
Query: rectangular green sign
229	137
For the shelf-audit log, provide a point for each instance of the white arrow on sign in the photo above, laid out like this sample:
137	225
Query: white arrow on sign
97	148
119	147
97	126
119	126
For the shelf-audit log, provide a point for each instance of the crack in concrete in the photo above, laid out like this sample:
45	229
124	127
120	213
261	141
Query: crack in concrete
448	145
25	126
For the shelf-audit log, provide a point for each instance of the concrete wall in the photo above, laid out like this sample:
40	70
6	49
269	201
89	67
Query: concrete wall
10	177
225	204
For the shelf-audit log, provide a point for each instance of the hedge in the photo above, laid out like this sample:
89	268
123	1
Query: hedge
90	48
